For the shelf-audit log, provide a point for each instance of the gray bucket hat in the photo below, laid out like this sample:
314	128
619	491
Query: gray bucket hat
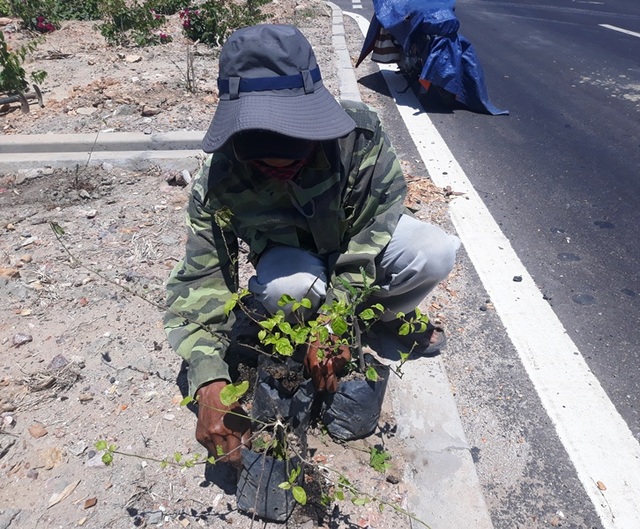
269	79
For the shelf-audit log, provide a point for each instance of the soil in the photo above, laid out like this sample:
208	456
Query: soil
82	352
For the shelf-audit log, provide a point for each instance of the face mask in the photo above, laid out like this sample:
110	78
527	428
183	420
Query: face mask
283	174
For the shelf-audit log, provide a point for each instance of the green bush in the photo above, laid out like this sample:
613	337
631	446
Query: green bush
130	23
214	20
167	7
36	15
13	77
78	10
5	8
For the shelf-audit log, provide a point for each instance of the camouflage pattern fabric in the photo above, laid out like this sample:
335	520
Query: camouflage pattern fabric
344	205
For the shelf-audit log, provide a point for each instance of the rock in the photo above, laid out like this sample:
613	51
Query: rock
7	516
90	502
83	193
33	473
51	458
79	448
9	273
133	58
150	111
95	461
21	339
155	517
125	110
108	167
86	111
37	430
57	363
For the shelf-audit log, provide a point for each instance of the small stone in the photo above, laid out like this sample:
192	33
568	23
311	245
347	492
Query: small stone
150	111
90	502
26	258
83	193
106	166
21	339
51	458
392	479
57	363
133	58
86	111
32	474
517	279
37	430
85	397
95	461
79	361
155	517
79	448
169	417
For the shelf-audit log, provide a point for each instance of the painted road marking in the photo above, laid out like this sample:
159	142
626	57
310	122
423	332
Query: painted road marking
621	30
596	438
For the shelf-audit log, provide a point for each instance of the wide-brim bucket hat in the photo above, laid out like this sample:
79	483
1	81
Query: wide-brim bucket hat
269	80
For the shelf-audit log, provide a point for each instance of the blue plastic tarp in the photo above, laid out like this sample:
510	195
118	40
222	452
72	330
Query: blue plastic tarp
449	61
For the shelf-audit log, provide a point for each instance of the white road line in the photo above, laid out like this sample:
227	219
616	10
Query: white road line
598	441
621	30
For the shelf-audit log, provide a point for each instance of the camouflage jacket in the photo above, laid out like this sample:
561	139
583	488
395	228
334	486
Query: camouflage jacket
344	204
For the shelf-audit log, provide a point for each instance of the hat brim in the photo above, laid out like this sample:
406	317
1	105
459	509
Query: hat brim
316	116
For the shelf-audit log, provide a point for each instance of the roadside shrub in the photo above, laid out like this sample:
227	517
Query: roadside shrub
167	7
36	15
133	23
214	20
78	10
5	9
13	77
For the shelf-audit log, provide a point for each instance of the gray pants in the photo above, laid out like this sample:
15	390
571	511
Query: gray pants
418	257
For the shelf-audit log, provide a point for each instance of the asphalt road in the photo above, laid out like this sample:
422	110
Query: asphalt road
560	175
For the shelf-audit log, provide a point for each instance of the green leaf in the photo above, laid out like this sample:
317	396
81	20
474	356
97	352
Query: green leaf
360	501
57	229
285	327
299	495
339	495
306	303
101	445
230	305
378	459
293	475
339	326
211	460
284	347
285	299
371	374
219	450
107	458
367	314
177	457
262	334
164	464
187	400
285	485
231	393
404	329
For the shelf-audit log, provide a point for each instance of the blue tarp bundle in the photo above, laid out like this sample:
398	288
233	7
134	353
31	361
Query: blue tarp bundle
449	62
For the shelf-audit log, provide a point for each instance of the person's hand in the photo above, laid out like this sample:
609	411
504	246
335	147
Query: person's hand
324	367
221	433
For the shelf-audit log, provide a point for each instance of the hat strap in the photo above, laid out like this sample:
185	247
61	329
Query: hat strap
235	85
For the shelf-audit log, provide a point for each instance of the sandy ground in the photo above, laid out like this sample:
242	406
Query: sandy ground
83	355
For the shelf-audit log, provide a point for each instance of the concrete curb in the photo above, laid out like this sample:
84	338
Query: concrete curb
134	150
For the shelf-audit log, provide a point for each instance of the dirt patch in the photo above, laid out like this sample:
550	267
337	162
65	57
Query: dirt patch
83	356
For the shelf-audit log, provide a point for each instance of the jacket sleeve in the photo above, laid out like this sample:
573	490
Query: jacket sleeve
374	202
198	288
